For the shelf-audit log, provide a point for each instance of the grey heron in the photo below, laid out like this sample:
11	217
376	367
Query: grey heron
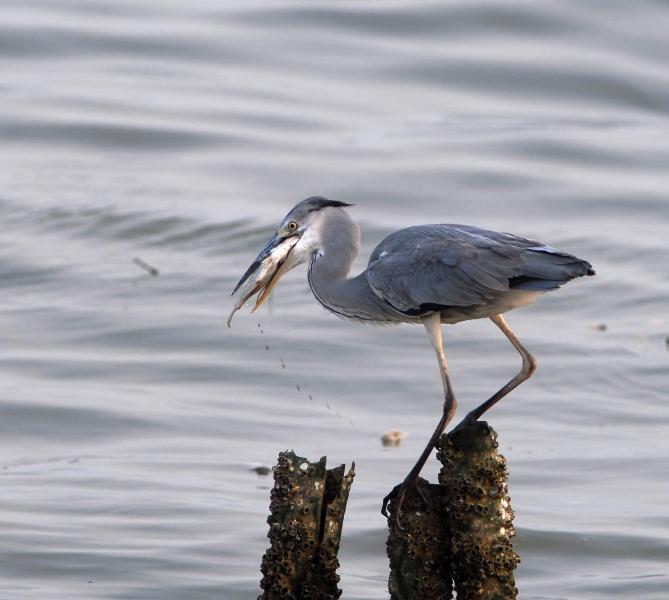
426	274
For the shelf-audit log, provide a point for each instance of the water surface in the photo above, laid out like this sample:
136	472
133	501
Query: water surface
181	134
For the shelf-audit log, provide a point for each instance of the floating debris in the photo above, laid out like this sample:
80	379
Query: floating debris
146	266
599	327
261	470
394	437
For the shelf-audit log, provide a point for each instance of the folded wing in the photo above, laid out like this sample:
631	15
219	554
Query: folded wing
433	267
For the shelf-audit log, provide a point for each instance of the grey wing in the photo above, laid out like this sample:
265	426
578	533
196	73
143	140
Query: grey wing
433	267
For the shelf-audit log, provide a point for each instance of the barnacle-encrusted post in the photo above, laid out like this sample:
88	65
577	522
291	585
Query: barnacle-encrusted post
307	509
418	552
474	479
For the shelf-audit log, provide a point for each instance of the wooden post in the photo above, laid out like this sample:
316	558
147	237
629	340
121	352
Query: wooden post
452	536
419	551
479	514
457	536
306	517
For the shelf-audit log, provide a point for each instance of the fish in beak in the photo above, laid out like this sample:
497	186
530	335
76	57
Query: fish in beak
264	273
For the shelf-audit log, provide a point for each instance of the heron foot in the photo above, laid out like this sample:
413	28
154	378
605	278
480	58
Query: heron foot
397	496
468	421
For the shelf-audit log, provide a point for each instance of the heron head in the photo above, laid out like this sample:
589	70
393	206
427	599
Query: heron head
295	241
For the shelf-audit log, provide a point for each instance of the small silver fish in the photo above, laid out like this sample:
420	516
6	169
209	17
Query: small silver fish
263	274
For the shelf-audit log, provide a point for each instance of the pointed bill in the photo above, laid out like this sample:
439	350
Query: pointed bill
264	273
264	254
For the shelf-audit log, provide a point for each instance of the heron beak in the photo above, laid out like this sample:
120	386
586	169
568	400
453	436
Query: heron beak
265	271
255	265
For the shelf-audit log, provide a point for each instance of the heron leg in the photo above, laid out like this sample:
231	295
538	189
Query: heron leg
433	327
529	367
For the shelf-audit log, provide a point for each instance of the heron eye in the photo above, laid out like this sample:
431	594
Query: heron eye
292	226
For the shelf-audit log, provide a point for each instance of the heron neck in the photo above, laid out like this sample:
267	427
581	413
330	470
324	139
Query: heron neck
350	297
337	245
346	297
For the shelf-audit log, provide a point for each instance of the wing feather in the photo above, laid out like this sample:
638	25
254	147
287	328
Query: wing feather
430	266
439	265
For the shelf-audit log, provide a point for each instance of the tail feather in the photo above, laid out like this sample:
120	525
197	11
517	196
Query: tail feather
547	269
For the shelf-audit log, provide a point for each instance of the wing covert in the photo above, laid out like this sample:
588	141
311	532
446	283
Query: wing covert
427	266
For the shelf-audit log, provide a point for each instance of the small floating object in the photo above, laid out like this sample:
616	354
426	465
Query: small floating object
150	269
261	470
599	327
263	274
394	437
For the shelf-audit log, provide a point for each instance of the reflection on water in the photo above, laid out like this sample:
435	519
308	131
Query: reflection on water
134	421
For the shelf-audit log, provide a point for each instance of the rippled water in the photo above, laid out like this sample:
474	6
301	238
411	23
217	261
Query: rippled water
181	133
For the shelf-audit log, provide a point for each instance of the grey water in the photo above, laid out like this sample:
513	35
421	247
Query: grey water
180	133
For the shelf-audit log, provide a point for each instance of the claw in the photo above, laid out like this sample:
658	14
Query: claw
399	489
397	495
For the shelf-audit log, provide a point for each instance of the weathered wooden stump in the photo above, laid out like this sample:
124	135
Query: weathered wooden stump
460	539
455	536
479	514
418	552
307	509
